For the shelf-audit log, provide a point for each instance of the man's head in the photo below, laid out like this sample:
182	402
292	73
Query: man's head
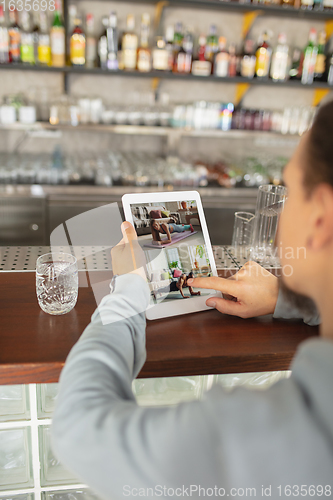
306	224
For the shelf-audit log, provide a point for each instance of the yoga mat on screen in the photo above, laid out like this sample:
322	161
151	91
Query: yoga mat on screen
175	238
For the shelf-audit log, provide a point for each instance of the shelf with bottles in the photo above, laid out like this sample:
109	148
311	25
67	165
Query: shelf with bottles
283	8
139	169
177	55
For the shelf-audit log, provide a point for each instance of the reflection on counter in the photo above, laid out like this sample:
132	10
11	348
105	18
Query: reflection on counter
137	169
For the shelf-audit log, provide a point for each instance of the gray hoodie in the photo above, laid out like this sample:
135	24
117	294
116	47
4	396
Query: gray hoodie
276	443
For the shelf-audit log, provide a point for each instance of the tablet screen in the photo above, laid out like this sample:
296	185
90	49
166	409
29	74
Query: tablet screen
171	236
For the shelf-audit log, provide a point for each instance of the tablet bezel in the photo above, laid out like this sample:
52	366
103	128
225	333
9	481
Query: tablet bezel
175	307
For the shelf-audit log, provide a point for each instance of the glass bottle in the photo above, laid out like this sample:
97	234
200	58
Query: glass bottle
318	5
103	44
307	4
183	62
78	44
212	45
57	36
201	67
130	44
144	55
320	65
44	47
222	59
91	43
330	71
310	57
287	3
263	57
27	40
295	72
169	37
160	56
248	63
232	69
14	34
177	40
280	60
4	39
112	42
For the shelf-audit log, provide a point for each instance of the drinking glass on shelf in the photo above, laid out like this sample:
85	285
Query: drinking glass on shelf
270	203
242	234
57	282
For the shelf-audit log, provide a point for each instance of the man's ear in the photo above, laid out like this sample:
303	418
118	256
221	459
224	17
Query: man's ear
322	217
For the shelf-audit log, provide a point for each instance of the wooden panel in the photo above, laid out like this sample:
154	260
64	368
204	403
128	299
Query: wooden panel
34	345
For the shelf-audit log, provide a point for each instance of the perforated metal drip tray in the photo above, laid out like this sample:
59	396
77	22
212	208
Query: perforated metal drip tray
91	258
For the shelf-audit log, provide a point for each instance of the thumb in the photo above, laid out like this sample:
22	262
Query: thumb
225	306
128	231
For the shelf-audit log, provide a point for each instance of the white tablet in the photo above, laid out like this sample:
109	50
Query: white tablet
172	231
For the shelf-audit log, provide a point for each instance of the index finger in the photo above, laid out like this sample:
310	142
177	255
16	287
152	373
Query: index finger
128	231
215	283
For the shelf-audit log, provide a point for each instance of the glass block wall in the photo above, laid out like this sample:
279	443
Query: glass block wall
28	468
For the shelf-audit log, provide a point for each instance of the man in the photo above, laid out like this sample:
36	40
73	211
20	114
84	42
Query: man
276	443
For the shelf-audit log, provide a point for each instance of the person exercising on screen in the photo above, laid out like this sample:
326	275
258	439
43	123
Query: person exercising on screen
158	228
177	286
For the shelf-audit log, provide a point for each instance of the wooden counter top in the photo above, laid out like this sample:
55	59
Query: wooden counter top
34	345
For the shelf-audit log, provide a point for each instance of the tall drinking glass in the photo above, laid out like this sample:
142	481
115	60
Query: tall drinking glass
270	203
57	282
242	235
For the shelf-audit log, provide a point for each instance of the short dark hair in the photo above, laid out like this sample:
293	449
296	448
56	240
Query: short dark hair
318	165
190	275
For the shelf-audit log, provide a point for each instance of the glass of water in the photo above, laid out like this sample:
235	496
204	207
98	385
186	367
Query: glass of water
242	234
270	203
57	282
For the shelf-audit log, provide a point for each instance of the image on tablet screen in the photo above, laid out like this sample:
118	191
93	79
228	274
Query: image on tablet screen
171	236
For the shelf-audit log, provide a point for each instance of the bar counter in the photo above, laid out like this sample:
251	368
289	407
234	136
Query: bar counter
34	345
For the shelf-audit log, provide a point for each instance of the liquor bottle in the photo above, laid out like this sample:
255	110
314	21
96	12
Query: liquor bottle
280	60
183	62
232	69
72	15
112	40
263	56
212	45
160	56
4	39
318	5
130	44
44	47
57	36
248	62
330	70
103	44
320	65
307	4
78	45
201	67
328	4
295	72
14	34
27	40
169	37
310	57
91	44
287	3
177	40
144	55
221	64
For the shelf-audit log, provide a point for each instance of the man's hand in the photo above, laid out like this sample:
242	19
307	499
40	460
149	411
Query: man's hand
253	291
128	256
